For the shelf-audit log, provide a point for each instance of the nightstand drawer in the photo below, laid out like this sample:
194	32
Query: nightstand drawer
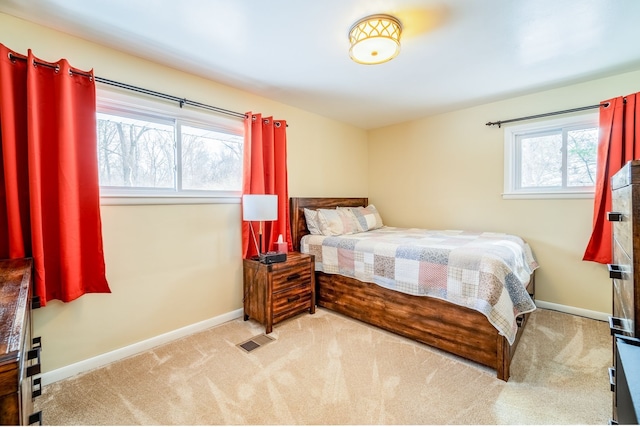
294	275
291	302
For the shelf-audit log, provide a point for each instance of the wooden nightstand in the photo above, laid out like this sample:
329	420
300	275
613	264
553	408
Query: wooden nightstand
275	292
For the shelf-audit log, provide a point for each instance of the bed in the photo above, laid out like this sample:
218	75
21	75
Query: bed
450	327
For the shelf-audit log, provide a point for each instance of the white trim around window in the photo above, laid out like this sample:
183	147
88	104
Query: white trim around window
110	100
512	164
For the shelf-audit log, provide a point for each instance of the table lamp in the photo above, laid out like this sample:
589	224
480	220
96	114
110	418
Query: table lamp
261	207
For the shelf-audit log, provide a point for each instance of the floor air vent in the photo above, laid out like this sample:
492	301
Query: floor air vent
255	342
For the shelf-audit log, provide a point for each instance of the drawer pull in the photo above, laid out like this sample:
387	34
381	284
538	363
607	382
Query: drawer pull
35	302
35	368
34	354
617	325
36	417
615	216
36	387
612	379
293	298
293	277
615	271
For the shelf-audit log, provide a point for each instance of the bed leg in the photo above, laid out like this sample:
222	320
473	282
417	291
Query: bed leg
503	360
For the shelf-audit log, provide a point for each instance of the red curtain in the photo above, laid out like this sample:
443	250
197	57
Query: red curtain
618	144
265	172
49	190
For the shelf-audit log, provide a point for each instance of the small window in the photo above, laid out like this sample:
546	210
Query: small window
555	158
211	160
136	151
156	150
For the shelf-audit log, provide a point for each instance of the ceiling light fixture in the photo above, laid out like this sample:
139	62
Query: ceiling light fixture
375	39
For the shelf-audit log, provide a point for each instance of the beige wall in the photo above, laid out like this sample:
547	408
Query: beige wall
173	266
446	171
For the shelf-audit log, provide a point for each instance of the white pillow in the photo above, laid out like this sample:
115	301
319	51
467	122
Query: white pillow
311	217
368	218
334	222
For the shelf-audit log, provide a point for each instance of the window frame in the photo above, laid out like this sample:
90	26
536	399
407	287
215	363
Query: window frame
121	102
512	164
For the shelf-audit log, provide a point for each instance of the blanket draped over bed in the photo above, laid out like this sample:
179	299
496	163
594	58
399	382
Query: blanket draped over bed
486	272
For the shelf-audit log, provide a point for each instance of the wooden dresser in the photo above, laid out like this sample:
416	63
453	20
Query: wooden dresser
275	292
624	272
19	351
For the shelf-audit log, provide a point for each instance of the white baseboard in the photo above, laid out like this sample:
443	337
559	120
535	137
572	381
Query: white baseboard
597	315
139	347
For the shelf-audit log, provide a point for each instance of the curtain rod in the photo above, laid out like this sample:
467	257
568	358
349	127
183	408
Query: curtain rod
181	101
501	122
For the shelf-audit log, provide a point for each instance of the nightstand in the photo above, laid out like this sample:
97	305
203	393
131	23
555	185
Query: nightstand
275	292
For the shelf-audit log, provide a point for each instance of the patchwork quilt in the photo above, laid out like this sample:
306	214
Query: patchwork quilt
487	272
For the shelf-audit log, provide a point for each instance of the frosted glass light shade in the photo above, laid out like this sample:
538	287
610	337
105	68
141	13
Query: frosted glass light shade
259	207
375	39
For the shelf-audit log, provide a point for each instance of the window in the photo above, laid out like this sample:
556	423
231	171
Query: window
554	158
156	152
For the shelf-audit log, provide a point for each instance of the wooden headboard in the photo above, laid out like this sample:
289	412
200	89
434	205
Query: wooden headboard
297	205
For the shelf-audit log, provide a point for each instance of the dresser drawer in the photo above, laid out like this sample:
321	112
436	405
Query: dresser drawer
623	291
623	226
293	274
290	302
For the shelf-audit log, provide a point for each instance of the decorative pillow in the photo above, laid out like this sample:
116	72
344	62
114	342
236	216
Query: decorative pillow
334	222
311	217
368	218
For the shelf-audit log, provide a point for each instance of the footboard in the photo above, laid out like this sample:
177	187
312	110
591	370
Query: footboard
435	322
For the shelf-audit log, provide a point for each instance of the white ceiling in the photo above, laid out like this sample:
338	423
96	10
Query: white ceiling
455	53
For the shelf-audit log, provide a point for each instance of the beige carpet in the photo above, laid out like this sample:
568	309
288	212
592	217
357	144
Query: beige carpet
328	369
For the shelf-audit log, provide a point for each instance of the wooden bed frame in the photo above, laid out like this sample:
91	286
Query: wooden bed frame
435	322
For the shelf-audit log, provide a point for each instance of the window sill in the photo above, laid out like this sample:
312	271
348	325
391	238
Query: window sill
554	195
166	200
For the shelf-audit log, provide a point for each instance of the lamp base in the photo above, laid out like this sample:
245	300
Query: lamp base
272	257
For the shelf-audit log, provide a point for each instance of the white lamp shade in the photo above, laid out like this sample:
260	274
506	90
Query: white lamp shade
260	207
